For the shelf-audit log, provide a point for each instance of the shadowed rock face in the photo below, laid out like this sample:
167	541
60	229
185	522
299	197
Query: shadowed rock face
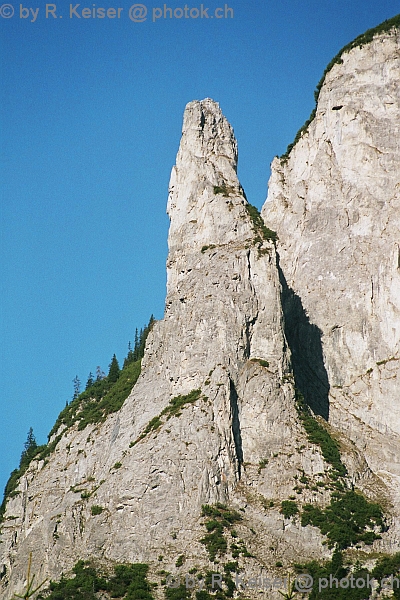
335	204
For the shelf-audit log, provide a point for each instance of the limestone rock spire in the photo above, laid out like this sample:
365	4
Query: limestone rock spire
206	201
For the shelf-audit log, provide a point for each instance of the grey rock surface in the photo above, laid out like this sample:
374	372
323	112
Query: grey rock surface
335	203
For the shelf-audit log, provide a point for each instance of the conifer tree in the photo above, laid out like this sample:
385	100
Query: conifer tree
113	373
77	387
130	356
29	448
136	346
90	381
99	374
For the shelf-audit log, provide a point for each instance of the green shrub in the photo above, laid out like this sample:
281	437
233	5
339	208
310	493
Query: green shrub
223	189
262	232
37	453
262	464
128	582
318	435
180	560
96	510
260	361
288	509
349	519
179	593
335	570
221	517
209	247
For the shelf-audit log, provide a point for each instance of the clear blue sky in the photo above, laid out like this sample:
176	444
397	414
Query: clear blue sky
90	122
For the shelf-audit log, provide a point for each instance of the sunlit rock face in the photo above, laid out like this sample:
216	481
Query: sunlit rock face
335	203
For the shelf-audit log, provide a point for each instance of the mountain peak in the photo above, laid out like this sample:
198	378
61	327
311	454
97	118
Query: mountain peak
206	202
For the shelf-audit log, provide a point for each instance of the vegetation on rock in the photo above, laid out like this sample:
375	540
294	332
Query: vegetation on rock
100	398
129	582
172	410
333	580
220	517
317	434
289	509
262	232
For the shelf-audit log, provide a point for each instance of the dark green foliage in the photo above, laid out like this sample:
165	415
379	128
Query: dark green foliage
96	510
387	566
180	560
360	41
223	189
348	519
140	341
30	449
239	549
130	356
215	542
261	231
262	464
221	517
114	372
209	247
153	425
90	381
289	509
221	512
129	582
334	570
178	593
318	435
99	374
77	387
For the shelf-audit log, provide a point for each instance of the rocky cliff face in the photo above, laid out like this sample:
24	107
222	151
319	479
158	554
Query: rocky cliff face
213	416
335	203
222	334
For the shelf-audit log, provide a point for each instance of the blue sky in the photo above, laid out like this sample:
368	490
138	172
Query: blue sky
90	122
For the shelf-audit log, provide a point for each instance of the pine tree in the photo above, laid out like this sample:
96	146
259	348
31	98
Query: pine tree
29	448
113	373
99	374
130	356
77	387
90	381
136	346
